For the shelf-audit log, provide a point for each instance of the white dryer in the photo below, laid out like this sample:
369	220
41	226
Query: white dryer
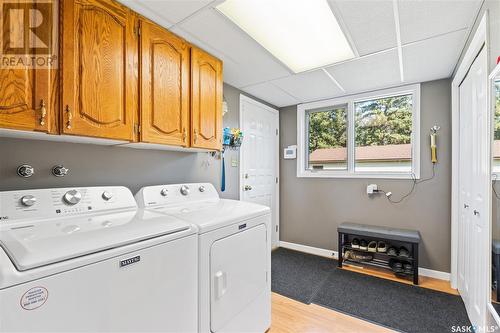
234	254
87	259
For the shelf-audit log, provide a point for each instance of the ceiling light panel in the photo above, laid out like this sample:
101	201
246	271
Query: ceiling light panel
303	35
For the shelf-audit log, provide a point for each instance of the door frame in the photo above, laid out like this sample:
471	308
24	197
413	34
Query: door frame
478	42
244	98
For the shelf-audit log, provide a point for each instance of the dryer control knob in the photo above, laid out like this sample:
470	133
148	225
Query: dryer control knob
164	192
107	195
202	188
72	197
28	200
184	190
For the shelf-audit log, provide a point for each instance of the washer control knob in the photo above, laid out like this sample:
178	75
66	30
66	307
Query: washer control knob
28	200
107	195
59	171
164	192
184	190
202	188
25	171
72	197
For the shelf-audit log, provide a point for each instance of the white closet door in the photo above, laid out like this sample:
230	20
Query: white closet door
474	190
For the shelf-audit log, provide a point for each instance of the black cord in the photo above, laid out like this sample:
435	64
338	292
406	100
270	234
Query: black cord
493	186
415	182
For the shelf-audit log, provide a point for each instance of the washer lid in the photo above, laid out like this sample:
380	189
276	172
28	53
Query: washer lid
215	213
39	243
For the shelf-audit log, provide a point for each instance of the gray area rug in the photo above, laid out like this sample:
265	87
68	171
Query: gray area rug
311	279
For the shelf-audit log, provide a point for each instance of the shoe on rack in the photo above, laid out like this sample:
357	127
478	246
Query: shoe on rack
381	247
392	252
363	245
396	266
355	243
403	252
408	268
372	246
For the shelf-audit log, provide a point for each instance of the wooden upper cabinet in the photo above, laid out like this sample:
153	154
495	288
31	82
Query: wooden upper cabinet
164	86
25	101
99	69
206	100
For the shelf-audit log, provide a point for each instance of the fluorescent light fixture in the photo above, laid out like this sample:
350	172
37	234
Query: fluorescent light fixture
302	34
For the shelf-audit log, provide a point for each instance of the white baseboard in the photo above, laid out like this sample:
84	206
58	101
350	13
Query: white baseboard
334	254
311	250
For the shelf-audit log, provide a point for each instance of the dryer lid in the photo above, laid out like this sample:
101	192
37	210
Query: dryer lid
34	244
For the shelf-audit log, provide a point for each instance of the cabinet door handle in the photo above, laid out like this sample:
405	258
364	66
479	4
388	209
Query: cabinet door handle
69	117
184	134
195	136
43	111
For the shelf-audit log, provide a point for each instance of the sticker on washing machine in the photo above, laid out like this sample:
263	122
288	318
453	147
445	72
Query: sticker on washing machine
34	298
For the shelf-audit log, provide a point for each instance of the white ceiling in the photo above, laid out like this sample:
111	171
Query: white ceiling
396	41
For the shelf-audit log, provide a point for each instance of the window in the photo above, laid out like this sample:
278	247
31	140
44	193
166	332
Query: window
327	138
366	135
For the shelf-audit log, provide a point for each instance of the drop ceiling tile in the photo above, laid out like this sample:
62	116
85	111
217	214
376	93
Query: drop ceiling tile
252	63
425	19
433	58
166	13
376	71
370	23
271	94
148	12
309	86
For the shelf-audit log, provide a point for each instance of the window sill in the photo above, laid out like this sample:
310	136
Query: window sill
359	175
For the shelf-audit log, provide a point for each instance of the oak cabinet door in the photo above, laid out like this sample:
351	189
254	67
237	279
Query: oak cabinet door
206	100
164	86
25	102
99	61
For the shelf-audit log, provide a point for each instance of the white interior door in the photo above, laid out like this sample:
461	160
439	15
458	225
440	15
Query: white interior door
259	158
474	190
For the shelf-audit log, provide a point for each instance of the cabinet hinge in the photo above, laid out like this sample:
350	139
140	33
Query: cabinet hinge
277	180
137	30
277	131
276	228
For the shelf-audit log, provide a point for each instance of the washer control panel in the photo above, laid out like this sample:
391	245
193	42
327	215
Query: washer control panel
171	194
48	203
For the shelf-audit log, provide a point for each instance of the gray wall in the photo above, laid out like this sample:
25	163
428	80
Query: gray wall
92	165
312	208
493	9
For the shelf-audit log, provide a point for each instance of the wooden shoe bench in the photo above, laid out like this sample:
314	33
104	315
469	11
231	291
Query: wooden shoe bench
410	239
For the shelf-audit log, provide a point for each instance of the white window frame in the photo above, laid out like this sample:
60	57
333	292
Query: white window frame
303	172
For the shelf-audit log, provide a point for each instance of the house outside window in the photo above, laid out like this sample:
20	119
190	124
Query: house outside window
373	135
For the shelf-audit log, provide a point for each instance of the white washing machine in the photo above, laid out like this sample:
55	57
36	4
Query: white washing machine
234	254
87	259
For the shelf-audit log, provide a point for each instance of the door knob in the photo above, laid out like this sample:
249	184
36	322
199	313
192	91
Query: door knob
248	187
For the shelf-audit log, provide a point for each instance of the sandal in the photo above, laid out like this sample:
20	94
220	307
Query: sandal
392	252
372	246
381	247
355	243
408	268
403	252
